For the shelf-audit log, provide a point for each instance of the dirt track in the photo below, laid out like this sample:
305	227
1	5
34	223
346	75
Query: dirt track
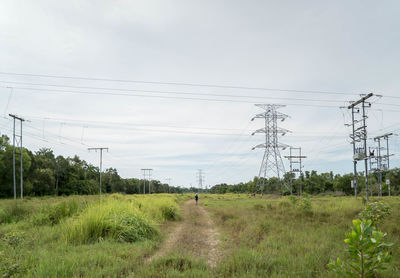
195	235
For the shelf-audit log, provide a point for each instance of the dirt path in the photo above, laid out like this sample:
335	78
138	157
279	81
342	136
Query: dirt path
195	235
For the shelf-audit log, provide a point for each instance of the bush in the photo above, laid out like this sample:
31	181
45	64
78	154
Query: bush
293	199
305	205
376	212
13	212
113	219
54	214
170	212
367	250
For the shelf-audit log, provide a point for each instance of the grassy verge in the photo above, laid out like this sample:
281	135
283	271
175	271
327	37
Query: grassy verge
80	236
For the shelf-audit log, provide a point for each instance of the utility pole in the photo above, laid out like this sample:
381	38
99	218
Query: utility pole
144	180
21	167
148	170
101	161
168	181
359	139
293	161
200	178
272	161
382	161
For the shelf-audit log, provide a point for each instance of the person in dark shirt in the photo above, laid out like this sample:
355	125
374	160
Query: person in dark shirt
196	197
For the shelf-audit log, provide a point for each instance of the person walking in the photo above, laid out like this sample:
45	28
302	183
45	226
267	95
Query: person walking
196	197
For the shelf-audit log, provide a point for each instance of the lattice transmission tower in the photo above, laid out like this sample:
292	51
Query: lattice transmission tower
272	163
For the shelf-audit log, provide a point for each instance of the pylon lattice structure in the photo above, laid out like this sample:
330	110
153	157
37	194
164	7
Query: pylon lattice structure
200	178
272	163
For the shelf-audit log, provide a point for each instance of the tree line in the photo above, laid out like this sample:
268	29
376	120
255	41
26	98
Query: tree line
314	183
47	174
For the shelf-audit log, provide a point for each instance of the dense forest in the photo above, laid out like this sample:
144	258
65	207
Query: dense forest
47	174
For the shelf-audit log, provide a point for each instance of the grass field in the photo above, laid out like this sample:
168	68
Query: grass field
79	236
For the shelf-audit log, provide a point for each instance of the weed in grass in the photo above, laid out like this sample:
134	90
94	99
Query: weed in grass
258	207
170	212
53	214
14	211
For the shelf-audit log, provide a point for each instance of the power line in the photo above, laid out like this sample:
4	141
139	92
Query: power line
165	92
176	83
43	91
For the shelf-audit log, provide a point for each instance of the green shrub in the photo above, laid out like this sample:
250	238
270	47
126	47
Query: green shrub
13	239
305	205
9	266
13	212
113	219
367	249
53	214
293	199
170	212
375	212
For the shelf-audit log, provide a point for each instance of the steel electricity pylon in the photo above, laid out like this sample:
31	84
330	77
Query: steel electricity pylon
272	164
200	178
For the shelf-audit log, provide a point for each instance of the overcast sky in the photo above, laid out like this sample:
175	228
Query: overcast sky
343	47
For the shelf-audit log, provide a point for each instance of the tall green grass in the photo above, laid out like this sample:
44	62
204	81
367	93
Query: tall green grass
111	218
79	236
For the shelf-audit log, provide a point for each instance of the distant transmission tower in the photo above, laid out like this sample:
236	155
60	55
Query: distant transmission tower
381	159
148	170
295	167
272	164
200	178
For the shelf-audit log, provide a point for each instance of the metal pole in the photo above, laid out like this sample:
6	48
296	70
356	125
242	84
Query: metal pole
101	165
301	172
354	152
291	172
14	178
144	181
21	177
365	149
388	159
380	167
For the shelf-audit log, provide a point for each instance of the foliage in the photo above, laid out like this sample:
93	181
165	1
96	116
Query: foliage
13	211
375	212
121	221
53	214
367	249
293	199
